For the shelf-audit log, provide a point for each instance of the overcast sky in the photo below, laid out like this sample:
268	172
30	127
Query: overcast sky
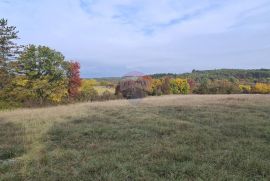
113	37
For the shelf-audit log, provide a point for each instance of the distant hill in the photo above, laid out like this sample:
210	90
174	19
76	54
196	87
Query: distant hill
252	75
244	75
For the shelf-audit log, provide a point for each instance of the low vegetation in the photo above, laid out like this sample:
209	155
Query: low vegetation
192	137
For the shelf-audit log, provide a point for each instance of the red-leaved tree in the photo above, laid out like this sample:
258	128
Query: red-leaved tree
74	80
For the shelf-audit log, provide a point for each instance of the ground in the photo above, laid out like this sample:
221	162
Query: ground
193	137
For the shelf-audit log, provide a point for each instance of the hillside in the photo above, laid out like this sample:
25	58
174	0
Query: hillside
192	137
254	75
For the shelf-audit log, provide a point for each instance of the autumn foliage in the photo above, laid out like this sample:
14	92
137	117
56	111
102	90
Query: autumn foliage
74	82
145	85
134	87
246	89
261	88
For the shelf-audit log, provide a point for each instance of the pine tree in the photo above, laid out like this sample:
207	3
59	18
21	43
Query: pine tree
9	50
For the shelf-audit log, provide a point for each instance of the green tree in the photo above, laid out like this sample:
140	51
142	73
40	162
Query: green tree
9	50
46	72
37	62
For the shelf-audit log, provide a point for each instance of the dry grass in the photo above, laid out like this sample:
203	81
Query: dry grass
39	144
102	89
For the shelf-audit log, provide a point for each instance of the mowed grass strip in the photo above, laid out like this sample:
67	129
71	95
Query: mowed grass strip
224	137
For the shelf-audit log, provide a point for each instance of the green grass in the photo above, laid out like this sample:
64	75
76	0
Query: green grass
226	139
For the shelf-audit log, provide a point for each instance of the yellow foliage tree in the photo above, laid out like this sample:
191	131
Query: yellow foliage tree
19	89
49	91
245	88
179	86
261	88
156	87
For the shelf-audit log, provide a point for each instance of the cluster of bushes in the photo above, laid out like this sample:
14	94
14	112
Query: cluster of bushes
138	87
217	87
260	88
228	87
88	92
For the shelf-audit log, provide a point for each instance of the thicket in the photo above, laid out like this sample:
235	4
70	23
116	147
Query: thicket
138	87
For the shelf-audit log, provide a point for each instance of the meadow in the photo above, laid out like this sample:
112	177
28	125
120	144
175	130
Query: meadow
175	137
101	89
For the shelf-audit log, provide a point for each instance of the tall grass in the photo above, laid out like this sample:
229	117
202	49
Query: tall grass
193	137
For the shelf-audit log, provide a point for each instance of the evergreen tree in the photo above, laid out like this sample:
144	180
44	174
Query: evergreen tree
9	50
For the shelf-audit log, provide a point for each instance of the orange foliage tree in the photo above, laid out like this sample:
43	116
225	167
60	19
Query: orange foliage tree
74	80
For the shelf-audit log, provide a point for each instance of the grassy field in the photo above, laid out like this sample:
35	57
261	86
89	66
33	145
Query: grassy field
102	89
193	137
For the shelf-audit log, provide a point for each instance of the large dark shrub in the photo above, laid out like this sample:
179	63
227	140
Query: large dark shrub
135	87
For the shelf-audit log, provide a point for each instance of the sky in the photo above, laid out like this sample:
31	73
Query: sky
113	37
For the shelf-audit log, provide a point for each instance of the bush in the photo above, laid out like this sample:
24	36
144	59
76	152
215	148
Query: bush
89	94
246	89
218	87
179	86
136	87
157	87
9	105
165	87
107	95
261	88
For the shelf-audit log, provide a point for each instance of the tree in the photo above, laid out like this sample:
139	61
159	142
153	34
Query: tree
156	87
192	84
46	72
179	86
246	89
74	80
203	87
261	88
37	62
46	91
9	50
165	87
18	90
135	87
218	87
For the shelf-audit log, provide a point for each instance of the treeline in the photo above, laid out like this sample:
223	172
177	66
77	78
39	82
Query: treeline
38	75
34	75
247	76
137	87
